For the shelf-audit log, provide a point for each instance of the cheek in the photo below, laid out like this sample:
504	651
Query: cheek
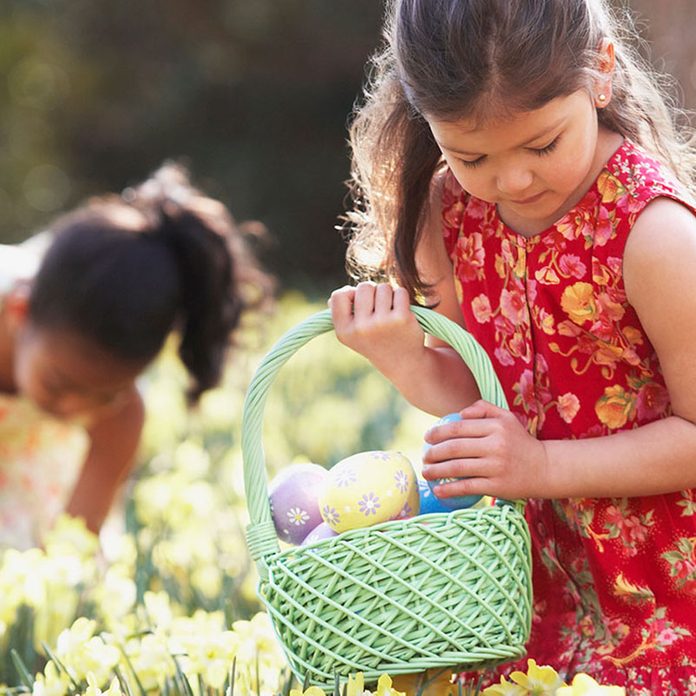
472	180
24	372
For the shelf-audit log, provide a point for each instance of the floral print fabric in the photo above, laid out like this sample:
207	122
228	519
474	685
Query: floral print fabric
40	459
614	579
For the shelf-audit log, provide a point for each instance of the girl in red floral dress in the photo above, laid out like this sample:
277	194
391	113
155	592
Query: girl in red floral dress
517	168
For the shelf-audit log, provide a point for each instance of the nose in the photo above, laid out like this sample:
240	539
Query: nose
68	406
514	180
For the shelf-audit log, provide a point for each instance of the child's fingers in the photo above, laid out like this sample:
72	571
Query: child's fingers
341	304
472	467
384	297
482	409
364	302
464	486
402	300
473	428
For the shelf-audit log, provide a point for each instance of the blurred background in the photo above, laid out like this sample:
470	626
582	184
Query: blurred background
253	95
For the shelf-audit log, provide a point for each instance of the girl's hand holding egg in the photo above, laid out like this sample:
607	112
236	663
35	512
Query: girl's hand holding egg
368	488
452	502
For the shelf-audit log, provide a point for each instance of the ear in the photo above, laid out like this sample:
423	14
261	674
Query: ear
606	63
16	305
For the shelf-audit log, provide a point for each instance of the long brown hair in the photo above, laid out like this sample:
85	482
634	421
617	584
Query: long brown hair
451	59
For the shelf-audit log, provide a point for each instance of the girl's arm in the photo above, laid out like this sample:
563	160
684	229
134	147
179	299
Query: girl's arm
375	320
492	448
113	443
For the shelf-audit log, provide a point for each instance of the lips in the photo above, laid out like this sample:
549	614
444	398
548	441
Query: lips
530	199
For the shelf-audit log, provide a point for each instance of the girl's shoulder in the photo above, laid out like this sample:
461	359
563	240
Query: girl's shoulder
644	177
20	262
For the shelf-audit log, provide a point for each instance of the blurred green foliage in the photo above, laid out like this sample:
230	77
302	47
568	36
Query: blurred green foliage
252	95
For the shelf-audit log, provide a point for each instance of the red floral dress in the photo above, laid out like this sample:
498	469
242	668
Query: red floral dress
614	579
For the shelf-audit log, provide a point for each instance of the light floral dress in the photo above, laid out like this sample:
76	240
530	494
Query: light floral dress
40	457
614	579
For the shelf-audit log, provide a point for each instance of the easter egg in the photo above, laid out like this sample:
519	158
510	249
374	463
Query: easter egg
294	500
367	488
411	507
429	502
321	531
456	502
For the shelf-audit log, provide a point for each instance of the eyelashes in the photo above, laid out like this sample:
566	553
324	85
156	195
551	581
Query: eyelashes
548	149
539	152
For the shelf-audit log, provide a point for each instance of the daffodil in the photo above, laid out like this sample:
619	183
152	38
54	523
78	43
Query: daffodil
384	687
356	686
51	683
70	536
584	685
312	691
505	688
94	690
538	681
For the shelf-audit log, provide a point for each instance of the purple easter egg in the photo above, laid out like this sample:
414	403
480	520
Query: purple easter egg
293	495
321	531
452	503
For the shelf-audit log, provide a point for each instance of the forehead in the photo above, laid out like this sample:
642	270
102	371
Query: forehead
505	129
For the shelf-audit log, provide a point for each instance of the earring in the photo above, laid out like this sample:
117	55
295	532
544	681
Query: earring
602	99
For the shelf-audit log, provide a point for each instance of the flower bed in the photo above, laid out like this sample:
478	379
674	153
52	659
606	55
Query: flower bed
165	603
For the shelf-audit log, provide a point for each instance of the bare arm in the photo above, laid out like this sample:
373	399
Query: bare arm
113	444
659	264
375	321
493	448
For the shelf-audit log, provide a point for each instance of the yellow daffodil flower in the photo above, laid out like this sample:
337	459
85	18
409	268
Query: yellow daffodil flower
505	688
384	687
51	683
584	685
312	691
356	685
94	690
539	681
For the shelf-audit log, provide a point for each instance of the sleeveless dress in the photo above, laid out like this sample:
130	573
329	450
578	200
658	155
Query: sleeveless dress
614	579
40	457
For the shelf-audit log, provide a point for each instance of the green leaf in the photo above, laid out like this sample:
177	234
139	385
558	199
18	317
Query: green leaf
24	675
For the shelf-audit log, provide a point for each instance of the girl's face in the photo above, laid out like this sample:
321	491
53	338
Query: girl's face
533	165
69	376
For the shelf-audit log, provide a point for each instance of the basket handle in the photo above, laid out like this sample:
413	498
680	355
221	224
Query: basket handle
261	534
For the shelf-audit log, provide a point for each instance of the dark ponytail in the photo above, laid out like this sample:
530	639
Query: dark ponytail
123	272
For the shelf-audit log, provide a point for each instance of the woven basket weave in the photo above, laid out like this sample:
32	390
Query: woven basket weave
437	590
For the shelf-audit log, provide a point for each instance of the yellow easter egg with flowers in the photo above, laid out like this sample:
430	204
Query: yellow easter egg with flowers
367	488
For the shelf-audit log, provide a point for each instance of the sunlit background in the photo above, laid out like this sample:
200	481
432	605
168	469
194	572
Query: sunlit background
254	95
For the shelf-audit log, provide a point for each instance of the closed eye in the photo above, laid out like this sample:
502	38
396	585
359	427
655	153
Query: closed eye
547	149
472	163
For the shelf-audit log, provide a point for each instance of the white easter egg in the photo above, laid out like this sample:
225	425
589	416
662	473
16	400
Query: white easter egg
368	488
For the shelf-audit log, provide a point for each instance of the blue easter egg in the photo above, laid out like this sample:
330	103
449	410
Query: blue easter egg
458	502
429	502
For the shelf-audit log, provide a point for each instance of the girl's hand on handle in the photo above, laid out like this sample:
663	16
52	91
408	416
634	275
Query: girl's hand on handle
376	321
491	451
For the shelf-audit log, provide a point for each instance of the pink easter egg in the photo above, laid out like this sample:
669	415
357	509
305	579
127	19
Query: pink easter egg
293	497
321	531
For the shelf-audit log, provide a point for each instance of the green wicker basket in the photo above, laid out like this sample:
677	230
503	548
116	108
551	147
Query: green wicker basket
437	590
